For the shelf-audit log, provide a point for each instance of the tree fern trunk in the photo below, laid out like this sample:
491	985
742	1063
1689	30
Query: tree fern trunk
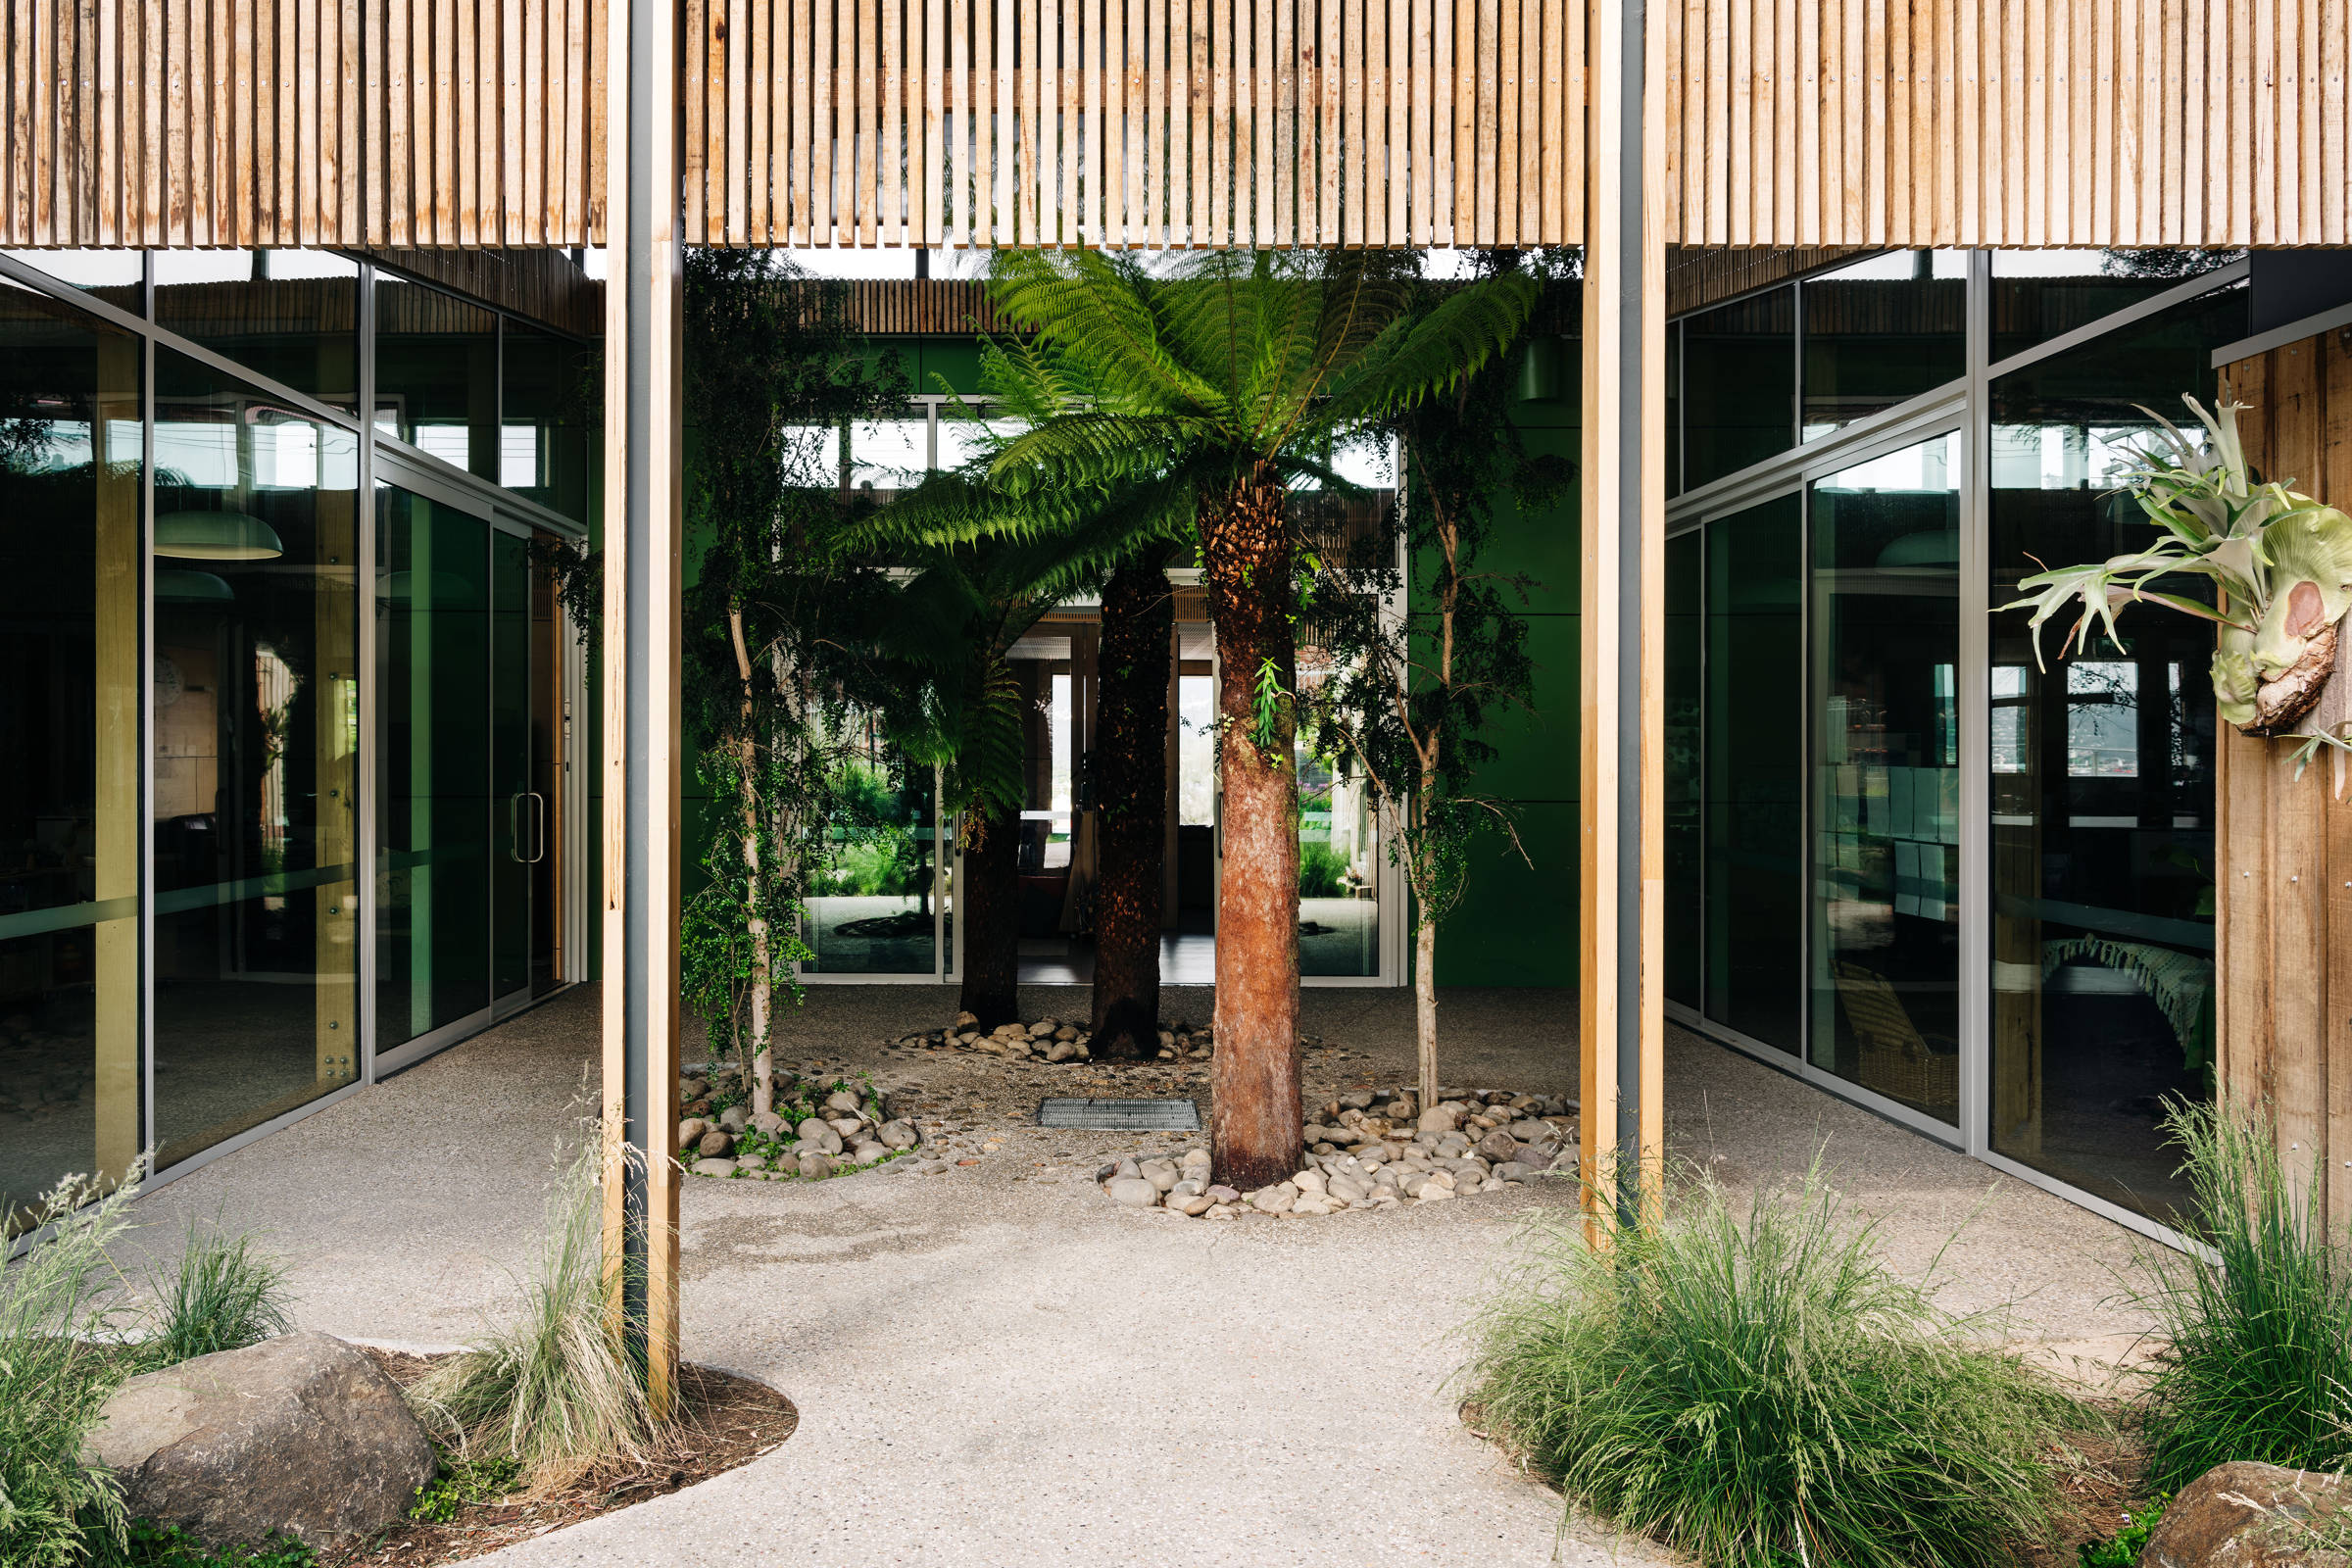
1131	802
1246	558
988	911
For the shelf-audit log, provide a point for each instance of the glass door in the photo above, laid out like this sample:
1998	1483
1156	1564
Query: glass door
518	810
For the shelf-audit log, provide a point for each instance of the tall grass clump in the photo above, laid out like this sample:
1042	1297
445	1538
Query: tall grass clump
58	1365
2255	1319
1761	1389
224	1296
555	1390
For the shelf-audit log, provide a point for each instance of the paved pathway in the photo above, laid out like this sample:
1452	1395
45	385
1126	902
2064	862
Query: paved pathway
999	1367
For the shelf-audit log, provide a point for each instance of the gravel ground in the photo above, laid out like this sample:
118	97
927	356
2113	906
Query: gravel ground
997	1365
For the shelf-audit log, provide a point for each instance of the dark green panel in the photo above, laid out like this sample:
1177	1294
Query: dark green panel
1683	785
1535	751
1518	925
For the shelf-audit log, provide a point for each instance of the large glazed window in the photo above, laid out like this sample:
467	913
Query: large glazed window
546	397
1739	385
1881	332
1685	792
2041	295
2101	779
1754	771
436	375
1885	760
69	684
256	753
873	908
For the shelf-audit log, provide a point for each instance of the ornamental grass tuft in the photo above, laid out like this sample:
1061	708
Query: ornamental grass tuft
556	1391
2255	1320
223	1296
1754	1386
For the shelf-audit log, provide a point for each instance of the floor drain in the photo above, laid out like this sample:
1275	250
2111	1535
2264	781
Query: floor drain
1121	1116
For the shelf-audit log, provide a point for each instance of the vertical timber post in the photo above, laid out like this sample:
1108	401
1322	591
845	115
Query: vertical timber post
644	320
1619	997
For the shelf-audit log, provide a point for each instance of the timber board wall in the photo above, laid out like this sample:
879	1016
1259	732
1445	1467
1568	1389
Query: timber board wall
2283	911
1788	122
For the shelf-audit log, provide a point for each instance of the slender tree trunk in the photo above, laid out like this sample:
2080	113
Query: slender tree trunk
1256	1116
988	910
1131	802
1425	1001
755	887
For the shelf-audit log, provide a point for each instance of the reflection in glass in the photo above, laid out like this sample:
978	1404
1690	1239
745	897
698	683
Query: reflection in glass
1754	752
293	316
1886	606
1683	786
870	910
890	453
436	373
114	276
1739	385
2040	295
255	758
69	679
1338	872
543	434
432	653
2101	772
1879	331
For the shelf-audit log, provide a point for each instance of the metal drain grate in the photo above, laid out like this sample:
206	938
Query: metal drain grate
1121	1116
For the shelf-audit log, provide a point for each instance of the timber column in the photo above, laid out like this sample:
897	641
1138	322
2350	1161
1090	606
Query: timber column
1621	997
644	319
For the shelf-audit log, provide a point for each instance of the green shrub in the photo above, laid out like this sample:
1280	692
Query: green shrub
2122	1550
148	1545
1322	870
57	1368
2254	1324
224	1296
462	1482
1765	1391
553	1391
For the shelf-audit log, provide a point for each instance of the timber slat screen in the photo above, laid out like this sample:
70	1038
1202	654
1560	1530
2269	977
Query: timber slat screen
1121	123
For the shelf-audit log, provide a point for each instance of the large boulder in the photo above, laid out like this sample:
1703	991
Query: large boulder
2248	1515
303	1433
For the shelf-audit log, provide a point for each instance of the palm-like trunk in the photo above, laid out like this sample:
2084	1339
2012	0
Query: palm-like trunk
1256	1117
1131	800
988	911
762	979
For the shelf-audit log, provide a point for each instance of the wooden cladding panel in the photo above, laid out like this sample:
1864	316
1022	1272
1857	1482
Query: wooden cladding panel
284	122
2283	877
1136	122
1832	123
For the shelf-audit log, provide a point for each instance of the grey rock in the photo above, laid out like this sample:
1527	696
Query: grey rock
1225	1195
1275	1200
846	1126
842	1103
900	1135
1434	1191
816	1132
715	1167
735	1118
1528	1131
1060	1051
1351	1187
1160	1173
868	1152
814	1165
1510	1170
1195	1204
302	1432
769	1124
1195	1157
1134	1192
1128	1168
713	1143
691	1130
2248	1515
1497	1146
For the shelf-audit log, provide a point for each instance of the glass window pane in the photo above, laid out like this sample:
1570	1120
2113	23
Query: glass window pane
114	276
255	758
436	373
1879	331
1683	785
1338	872
542	445
964	435
1754	752
432	668
291	315
889	454
2040	295
2102	847
1885	641
69	683
1739	385
871	911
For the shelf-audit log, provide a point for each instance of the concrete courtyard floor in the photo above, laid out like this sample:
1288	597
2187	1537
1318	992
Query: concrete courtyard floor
1000	1366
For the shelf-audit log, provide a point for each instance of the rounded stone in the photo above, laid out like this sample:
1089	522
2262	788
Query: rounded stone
1134	1192
815	1165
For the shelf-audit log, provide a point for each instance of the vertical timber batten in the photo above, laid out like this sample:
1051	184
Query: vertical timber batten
1620	995
643	495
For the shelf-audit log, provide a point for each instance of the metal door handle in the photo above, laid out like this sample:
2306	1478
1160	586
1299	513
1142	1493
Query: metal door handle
514	828
538	827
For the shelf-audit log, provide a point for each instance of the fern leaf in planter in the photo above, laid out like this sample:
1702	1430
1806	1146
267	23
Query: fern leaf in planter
2279	560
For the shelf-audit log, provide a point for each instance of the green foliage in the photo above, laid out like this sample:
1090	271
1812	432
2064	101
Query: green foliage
554	1390
1322	872
461	1482
223	1296
2254	1337
56	1371
1763	1388
2122	1550
149	1544
797	1100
